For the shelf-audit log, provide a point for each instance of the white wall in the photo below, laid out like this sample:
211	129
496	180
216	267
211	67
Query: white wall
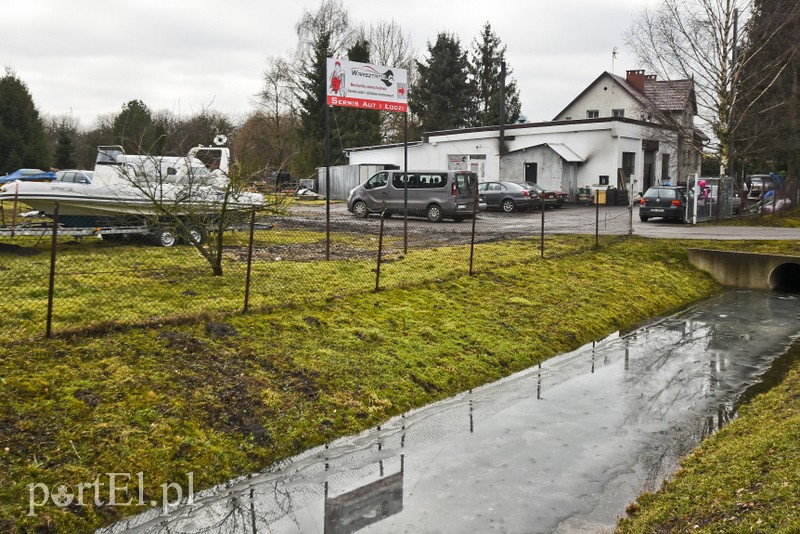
600	144
604	96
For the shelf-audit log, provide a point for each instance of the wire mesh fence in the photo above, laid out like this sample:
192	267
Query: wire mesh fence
83	279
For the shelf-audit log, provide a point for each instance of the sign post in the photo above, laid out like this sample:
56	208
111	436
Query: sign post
363	86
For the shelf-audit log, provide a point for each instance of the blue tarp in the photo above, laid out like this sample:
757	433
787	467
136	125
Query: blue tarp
28	175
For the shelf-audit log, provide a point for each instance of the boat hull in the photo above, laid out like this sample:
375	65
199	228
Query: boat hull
86	206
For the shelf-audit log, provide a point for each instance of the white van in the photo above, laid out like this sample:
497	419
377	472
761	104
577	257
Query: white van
433	194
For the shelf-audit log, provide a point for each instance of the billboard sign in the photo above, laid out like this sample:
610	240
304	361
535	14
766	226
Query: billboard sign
364	86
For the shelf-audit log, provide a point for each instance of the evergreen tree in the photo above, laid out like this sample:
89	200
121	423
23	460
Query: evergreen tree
322	34
65	148
312	109
770	134
137	132
442	97
354	127
22	140
485	72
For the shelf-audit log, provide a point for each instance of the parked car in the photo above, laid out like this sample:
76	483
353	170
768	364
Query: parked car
551	198
28	175
75	176
507	196
663	201
432	194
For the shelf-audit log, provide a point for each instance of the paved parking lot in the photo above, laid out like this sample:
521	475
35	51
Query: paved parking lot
571	219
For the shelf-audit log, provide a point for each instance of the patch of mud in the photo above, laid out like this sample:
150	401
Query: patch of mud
304	252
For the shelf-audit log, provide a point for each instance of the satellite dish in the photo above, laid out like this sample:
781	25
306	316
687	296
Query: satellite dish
220	140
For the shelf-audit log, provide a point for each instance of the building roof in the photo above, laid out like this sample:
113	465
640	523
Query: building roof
663	95
670	95
566	153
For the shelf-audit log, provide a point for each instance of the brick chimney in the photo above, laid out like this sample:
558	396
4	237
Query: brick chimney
636	79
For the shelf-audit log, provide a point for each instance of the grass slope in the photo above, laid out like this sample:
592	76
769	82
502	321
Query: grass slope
221	399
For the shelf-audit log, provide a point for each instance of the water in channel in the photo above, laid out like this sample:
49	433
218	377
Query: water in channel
561	447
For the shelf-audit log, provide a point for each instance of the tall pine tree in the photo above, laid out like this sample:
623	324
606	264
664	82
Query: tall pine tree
769	137
137	132
22	140
442	97
322	34
312	109
488	53
65	148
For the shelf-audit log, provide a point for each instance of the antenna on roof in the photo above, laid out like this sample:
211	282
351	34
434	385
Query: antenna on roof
613	58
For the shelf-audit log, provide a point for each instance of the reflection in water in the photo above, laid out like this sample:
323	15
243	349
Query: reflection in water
365	505
501	458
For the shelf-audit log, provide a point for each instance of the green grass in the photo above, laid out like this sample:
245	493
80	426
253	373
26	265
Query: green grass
174	399
321	356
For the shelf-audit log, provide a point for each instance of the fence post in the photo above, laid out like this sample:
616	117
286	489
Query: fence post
541	246
597	218
51	289
249	260
380	250
472	239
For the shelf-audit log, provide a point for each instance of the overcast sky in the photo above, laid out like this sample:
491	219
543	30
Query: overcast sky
88	58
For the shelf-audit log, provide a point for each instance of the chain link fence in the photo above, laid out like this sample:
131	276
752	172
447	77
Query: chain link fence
59	280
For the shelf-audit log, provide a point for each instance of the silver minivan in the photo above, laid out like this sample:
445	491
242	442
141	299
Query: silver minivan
432	194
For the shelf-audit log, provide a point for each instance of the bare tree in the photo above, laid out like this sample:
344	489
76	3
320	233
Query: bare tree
392	47
702	41
191	198
268	136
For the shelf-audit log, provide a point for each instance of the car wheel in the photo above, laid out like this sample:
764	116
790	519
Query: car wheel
434	213
507	205
360	209
165	238
643	218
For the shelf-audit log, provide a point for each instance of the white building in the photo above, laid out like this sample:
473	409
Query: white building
616	129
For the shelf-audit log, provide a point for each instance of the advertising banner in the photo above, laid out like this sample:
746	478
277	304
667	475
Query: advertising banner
364	86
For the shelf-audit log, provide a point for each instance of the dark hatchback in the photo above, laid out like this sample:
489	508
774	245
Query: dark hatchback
662	201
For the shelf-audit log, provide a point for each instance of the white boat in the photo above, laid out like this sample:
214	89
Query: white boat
136	189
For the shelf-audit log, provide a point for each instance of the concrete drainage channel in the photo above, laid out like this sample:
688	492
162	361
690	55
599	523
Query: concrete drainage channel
560	447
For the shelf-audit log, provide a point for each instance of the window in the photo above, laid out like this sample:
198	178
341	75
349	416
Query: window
628	163
617	112
378	180
429	180
665	168
592	114
465	183
603	179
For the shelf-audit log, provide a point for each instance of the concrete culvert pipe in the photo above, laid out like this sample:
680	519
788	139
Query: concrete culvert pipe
785	278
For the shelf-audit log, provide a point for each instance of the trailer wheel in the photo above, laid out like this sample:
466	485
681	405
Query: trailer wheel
165	238
195	236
